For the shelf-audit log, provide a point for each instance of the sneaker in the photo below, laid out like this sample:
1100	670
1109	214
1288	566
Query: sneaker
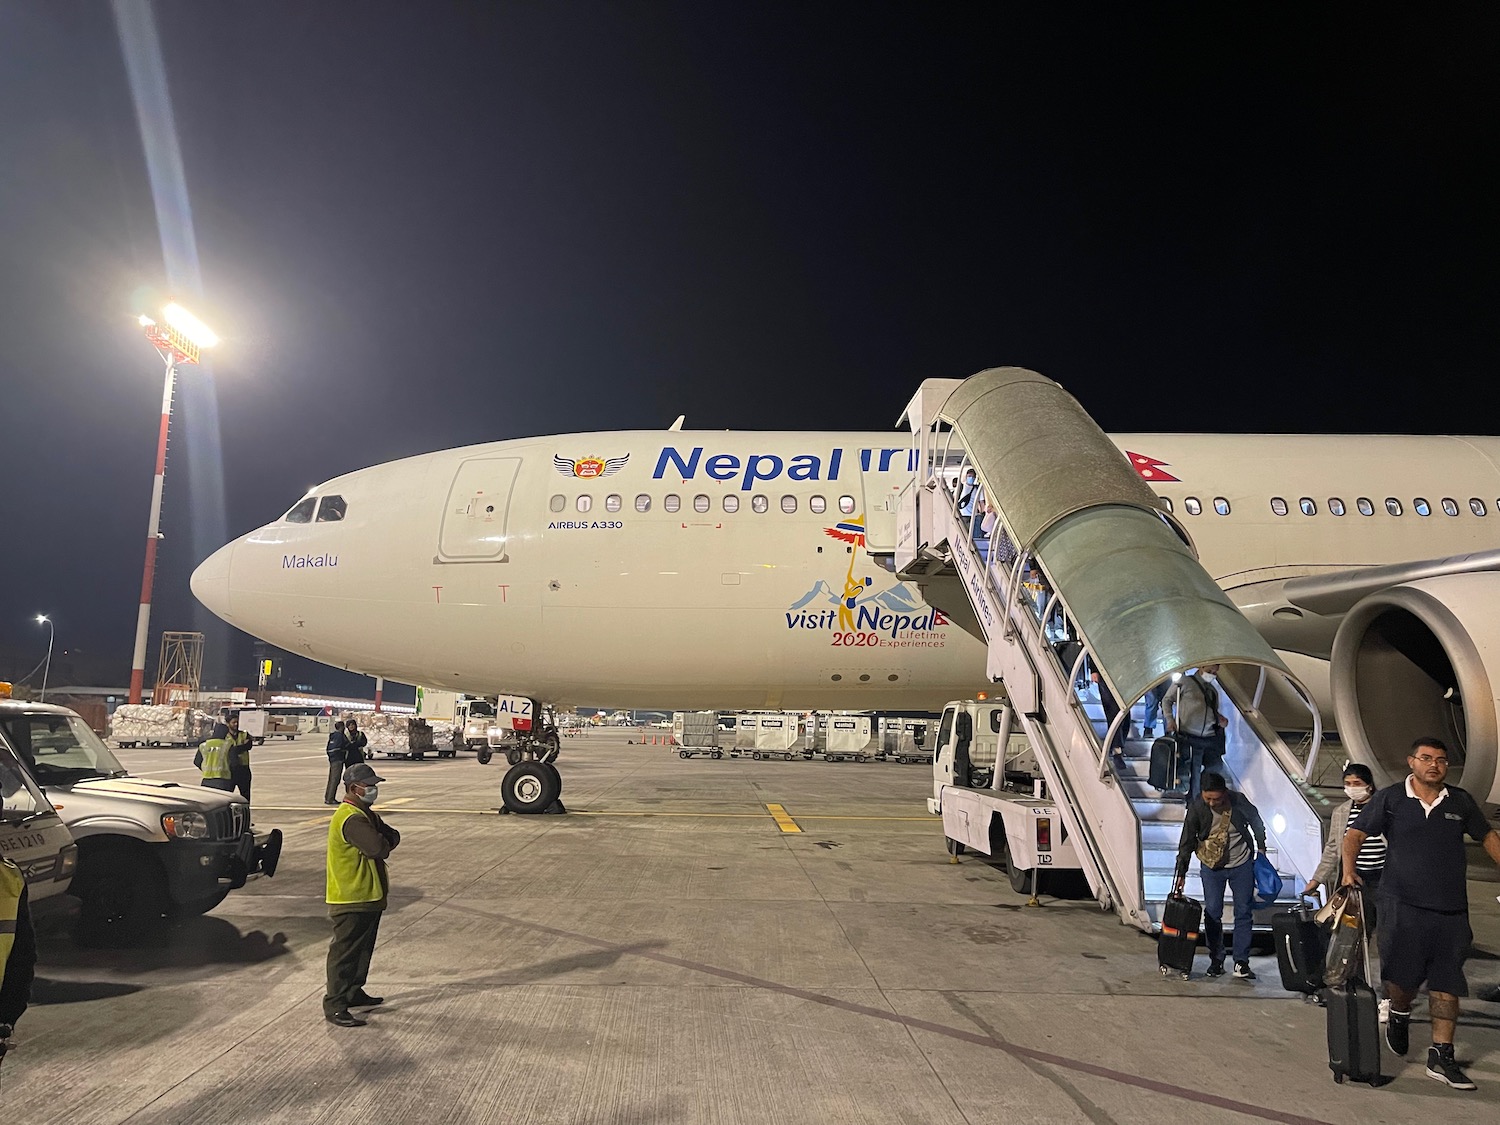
1242	971
1385	1010
1442	1066
1398	1032
1215	968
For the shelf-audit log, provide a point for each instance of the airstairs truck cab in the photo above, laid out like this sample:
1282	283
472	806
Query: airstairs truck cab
32	835
990	792
147	850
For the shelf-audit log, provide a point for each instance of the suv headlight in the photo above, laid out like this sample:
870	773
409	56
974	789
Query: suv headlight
185	825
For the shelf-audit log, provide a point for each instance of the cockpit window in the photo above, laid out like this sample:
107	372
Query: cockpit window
332	509
303	511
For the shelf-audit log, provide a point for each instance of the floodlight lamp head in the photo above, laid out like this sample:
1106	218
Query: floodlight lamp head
41	619
145	321
190	326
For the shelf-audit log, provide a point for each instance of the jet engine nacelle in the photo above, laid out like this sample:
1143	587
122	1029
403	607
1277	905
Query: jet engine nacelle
1423	658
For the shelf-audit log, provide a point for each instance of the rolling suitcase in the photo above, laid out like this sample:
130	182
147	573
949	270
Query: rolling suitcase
1301	949
1181	923
1354	1025
1163	773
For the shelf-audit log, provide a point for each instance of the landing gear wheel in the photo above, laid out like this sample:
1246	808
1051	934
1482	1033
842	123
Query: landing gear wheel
484	757
530	787
548	746
953	846
514	756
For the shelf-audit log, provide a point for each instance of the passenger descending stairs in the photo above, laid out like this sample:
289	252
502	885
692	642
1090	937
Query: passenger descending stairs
1117	573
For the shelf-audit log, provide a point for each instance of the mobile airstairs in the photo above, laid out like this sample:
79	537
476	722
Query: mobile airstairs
1104	579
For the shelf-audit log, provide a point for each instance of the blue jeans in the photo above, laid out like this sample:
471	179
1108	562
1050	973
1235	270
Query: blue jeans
1241	883
1153	706
1190	764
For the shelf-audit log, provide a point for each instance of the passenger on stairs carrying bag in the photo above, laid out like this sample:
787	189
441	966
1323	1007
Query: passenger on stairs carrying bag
1224	830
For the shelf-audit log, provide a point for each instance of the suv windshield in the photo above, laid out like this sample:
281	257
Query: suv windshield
60	749
481	710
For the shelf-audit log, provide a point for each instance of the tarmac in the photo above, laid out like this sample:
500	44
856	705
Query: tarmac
673	951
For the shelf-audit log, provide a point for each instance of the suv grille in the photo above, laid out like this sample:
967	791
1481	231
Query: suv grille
228	824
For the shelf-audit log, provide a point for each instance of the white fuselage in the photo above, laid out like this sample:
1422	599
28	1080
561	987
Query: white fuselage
558	568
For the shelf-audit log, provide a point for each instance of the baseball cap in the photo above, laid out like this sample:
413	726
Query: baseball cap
361	773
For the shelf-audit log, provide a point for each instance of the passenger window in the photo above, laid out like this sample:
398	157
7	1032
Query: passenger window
701	503
1450	506
331	509
671	502
1365	507
1221	505
1308	505
788	504
1393	505
643	503
1278	505
1476	505
1421	507
613	503
557	503
759	505
846	505
302	512
1336	506
1165	503
731	502
1194	508
585	502
818	504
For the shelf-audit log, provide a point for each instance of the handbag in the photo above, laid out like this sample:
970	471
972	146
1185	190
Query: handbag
1346	943
1211	850
1267	881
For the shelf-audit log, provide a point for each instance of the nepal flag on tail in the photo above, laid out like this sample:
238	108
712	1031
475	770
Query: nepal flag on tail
1149	468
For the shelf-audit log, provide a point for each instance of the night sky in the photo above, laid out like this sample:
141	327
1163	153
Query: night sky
422	225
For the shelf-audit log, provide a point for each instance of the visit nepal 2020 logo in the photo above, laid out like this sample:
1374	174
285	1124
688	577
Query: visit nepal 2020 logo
861	616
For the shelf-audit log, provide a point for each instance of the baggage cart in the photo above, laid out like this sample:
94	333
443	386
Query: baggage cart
698	733
769	734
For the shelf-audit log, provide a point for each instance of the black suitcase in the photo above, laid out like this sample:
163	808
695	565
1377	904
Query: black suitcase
1163	774
1301	949
1354	1020
1353	1033
1181	923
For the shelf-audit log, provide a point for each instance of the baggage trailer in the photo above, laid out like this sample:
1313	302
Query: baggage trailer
989	790
840	737
769	734
905	740
699	732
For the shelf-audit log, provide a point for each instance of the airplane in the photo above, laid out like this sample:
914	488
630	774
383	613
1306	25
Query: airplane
753	570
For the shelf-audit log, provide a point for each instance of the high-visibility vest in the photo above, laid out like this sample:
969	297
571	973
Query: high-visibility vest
241	744
12	883
352	875
215	753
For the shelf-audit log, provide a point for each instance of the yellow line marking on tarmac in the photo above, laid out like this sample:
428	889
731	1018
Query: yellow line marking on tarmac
397	801
783	821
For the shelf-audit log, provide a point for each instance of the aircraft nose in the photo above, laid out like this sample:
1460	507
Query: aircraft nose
210	582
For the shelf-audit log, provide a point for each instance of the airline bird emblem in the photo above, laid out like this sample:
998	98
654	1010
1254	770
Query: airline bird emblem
850	531
588	468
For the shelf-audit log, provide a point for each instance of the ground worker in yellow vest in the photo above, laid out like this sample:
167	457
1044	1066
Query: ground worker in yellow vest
17	951
358	843
239	755
213	759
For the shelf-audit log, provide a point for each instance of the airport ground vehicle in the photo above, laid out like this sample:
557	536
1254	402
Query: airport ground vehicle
990	793
769	734
840	736
147	850
32	835
904	739
701	732
261	725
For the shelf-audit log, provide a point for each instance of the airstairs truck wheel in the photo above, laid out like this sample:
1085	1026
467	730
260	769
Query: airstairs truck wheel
1020	878
514	756
530	787
953	846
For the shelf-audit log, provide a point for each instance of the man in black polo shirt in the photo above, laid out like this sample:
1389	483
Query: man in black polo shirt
1424	906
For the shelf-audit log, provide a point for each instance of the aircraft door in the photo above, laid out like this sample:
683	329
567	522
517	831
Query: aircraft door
476	519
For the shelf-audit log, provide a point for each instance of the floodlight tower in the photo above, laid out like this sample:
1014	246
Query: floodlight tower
180	340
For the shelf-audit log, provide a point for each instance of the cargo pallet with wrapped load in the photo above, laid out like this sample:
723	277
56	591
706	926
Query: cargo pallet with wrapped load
699	732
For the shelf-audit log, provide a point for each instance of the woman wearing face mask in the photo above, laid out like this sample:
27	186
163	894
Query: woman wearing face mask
1359	787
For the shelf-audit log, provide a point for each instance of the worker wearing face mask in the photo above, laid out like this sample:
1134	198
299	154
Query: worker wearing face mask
358	843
